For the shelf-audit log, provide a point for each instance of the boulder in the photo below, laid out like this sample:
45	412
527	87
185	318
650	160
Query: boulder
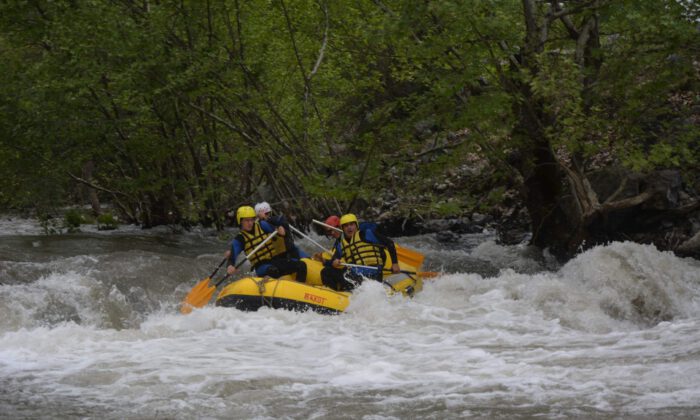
690	248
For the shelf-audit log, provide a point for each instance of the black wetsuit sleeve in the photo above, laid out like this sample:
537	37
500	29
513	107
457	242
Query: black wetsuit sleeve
236	248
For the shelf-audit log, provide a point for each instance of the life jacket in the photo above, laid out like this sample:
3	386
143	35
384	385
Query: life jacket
357	251
273	248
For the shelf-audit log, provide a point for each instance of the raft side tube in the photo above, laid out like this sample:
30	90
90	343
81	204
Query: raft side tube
403	283
251	293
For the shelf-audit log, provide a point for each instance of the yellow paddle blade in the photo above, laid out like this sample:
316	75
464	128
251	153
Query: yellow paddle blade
198	296
429	274
409	256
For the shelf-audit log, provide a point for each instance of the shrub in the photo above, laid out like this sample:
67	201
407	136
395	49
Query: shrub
106	221
49	224
72	220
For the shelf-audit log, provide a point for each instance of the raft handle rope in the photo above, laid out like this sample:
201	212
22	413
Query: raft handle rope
261	289
261	284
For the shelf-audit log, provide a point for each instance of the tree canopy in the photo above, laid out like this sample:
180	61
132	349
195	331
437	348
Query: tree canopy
178	111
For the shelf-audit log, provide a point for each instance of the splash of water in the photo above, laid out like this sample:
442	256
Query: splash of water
614	332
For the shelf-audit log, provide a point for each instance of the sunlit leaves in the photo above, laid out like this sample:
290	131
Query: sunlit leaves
190	101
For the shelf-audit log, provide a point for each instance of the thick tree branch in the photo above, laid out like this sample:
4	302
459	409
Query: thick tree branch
625	203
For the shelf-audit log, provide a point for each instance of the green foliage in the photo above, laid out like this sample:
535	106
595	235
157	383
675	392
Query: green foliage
107	221
72	220
447	208
188	110
49	224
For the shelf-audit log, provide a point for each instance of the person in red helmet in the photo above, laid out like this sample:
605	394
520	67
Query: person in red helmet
335	222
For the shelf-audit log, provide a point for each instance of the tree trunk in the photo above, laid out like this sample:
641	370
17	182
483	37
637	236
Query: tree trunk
88	168
554	226
542	188
565	210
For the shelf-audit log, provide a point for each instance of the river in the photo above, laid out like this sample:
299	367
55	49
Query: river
90	328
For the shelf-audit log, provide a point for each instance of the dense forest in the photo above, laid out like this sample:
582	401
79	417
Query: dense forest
179	111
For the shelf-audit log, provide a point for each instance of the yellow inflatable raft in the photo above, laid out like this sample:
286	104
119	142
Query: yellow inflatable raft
252	293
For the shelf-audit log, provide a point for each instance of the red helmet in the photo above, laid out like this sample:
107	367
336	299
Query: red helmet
333	221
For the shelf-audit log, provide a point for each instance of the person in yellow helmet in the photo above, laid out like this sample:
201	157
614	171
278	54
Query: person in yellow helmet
359	244
270	260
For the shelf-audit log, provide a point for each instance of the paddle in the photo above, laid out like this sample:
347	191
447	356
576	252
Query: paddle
297	231
192	298
420	273
320	223
409	256
405	255
202	292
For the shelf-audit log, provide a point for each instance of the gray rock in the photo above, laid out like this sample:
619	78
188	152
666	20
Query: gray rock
447	236
691	247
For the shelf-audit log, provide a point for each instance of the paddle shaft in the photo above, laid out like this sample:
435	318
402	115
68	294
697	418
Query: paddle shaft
307	237
218	267
377	268
359	266
260	245
328	226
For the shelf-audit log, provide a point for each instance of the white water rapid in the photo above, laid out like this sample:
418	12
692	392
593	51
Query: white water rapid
89	328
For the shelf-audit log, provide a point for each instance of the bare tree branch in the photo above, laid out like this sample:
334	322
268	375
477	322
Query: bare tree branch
322	50
559	12
305	77
226	123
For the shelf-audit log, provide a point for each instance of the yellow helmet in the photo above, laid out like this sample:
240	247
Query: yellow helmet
244	212
348	218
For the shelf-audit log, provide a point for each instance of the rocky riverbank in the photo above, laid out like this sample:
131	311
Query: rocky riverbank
667	215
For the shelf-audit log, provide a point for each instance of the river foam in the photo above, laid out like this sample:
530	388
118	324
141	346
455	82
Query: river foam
614	332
